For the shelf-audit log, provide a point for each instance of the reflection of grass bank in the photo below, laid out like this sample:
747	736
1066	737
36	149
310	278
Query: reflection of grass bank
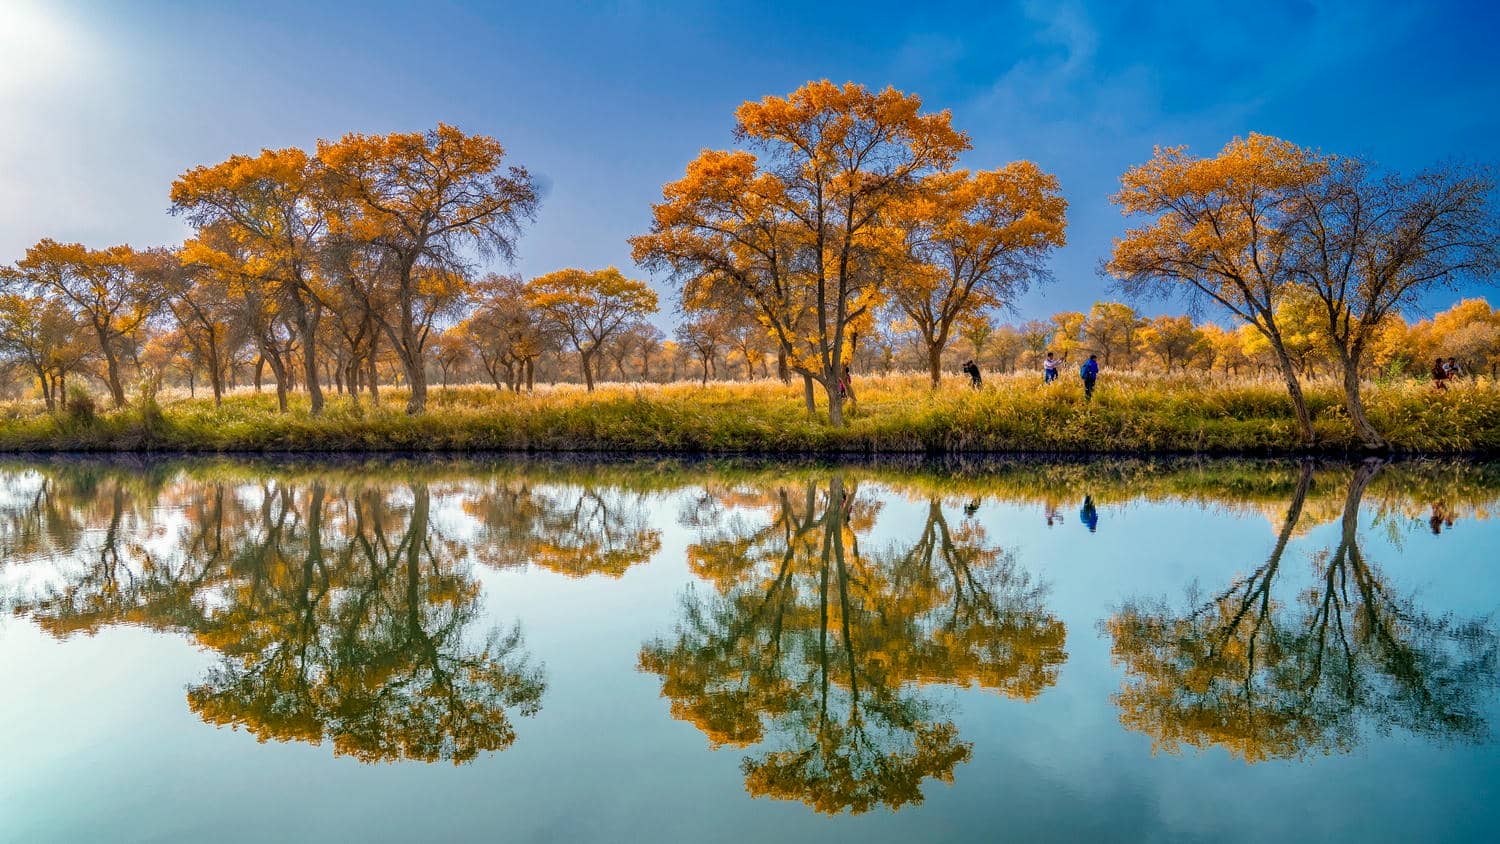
1403	488
1140	414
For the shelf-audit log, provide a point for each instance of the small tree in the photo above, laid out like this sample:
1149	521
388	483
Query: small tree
588	307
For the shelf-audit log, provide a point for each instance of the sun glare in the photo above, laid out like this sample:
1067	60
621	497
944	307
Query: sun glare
34	45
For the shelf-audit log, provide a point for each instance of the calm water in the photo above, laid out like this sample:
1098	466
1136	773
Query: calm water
527	651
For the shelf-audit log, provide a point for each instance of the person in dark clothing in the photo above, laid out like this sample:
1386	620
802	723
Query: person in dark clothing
971	369
1439	375
1088	515
1089	372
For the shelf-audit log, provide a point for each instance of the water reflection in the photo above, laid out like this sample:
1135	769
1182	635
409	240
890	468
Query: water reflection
826	627
339	611
1267	672
819	650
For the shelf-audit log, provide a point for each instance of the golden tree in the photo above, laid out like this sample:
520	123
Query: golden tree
974	242
103	291
588	307
1173	340
41	335
1219	231
800	232
418	200
271	206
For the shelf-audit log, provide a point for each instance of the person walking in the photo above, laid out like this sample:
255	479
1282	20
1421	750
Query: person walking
1440	374
971	369
1454	370
1049	369
1089	372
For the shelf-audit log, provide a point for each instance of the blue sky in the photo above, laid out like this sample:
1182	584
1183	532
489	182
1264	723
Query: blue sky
102	104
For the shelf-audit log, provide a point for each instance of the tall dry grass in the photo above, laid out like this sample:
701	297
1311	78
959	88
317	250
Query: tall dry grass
1131	413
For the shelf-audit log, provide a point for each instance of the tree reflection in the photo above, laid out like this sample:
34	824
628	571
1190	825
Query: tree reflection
819	650
1267	679
341	614
574	530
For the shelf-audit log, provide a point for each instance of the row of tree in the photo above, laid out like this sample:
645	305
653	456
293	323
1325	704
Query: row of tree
847	201
842	225
316	267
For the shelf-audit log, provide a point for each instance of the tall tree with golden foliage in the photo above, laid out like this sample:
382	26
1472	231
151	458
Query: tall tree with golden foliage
272	206
419	200
1218	230
973	241
800	232
1367	244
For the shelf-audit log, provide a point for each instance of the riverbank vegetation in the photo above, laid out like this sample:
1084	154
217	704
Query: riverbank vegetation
1181	413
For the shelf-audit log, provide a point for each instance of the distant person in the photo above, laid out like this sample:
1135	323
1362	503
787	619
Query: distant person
1454	370
971	369
1049	369
1089	372
1440	374
1088	515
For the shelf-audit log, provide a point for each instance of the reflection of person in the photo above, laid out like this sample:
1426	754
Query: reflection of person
1049	369
1089	372
1441	517
1088	515
972	507
1053	517
971	369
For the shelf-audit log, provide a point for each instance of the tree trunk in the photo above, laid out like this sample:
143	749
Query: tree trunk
935	363
1355	405
260	371
216	376
585	359
783	371
416	379
807	394
306	320
46	384
112	370
1294	389
835	404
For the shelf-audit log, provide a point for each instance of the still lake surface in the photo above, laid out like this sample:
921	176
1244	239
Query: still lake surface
428	649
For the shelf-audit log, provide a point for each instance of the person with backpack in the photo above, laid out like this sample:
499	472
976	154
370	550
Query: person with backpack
1089	372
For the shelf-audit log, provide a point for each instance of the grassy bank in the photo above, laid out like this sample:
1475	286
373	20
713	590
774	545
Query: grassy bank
895	414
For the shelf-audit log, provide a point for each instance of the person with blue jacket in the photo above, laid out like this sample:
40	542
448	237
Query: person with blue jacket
1089	372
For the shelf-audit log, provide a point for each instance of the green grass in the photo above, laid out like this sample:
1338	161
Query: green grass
895	414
